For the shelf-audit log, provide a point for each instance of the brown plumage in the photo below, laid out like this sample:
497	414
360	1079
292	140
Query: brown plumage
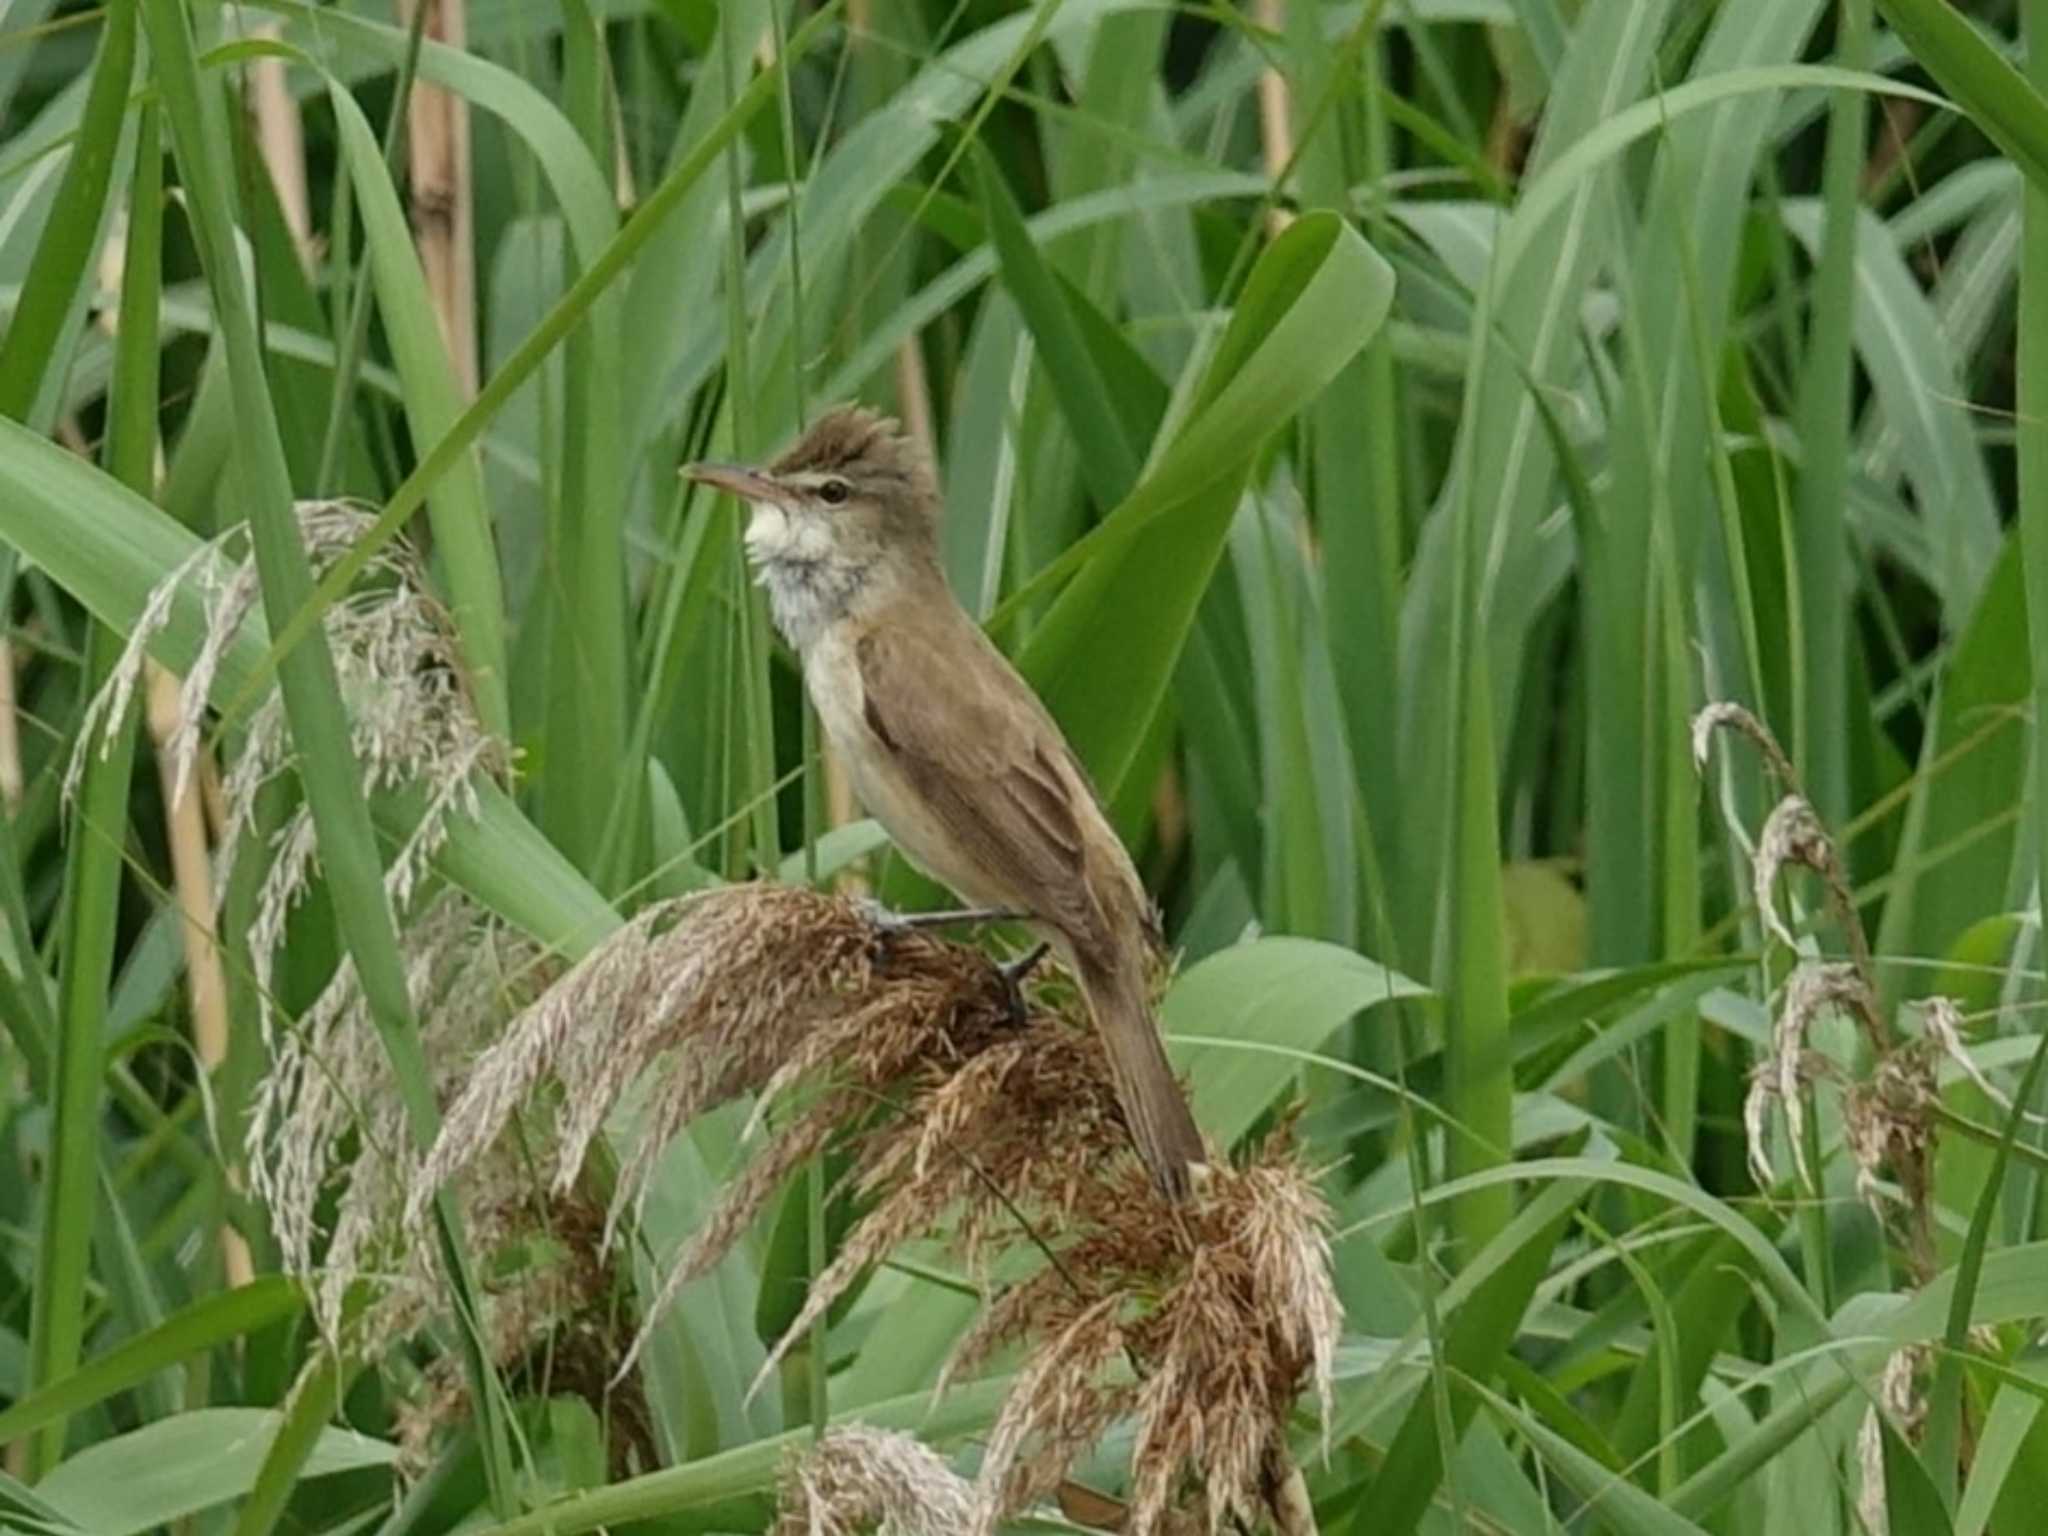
945	744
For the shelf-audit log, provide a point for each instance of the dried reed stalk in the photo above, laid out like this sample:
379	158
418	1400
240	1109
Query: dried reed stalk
1276	114
10	733
443	216
192	890
281	139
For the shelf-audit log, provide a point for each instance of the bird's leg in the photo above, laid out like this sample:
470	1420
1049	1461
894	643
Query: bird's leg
960	918
1016	972
888	923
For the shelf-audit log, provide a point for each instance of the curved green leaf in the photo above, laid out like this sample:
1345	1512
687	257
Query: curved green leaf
1283	992
1106	649
179	1466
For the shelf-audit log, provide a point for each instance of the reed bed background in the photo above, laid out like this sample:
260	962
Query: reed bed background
1528	509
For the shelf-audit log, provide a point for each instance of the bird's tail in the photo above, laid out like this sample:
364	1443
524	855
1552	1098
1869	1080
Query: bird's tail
1161	1123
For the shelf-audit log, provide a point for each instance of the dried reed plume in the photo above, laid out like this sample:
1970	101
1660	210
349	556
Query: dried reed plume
859	1479
411	721
999	1135
1891	1099
330	1153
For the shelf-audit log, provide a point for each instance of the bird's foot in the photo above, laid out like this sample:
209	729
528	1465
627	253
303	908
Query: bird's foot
885	925
889	924
877	916
1015	973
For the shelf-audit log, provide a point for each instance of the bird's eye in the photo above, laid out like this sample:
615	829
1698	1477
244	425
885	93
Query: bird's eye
834	493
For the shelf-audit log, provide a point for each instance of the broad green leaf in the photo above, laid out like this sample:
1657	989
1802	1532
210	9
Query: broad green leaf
195	1461
1239	1017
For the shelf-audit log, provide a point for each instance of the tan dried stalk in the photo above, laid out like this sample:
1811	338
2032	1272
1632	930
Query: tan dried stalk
1276	114
10	734
443	216
192	890
281	139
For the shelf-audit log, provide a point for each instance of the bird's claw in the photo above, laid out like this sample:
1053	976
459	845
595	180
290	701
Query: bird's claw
881	918
1015	973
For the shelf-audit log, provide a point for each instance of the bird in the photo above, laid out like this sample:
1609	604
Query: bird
946	745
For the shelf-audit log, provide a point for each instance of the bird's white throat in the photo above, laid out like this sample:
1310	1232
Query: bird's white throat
797	563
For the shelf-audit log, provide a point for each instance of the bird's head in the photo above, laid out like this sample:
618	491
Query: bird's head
854	493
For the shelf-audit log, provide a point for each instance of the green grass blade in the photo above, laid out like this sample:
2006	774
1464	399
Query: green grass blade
51	296
586	781
131	451
93	873
306	673
463	544
1106	649
284	1461
1110	458
1476	1334
1311	875
2007	105
204	1324
1943	1437
730	1488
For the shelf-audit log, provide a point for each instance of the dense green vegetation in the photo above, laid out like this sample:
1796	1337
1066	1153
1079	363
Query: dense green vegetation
1528	509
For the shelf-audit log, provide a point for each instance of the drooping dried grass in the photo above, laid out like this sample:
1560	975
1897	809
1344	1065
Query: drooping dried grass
1898	1397
1200	1322
1891	1107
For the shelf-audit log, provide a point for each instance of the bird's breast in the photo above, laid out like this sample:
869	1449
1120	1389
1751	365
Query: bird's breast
832	676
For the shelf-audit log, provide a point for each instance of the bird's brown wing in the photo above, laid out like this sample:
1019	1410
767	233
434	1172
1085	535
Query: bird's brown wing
974	744
979	750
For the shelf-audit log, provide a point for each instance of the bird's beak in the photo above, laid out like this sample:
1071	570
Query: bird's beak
739	480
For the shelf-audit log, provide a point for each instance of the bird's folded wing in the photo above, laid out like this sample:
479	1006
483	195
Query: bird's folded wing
978	749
